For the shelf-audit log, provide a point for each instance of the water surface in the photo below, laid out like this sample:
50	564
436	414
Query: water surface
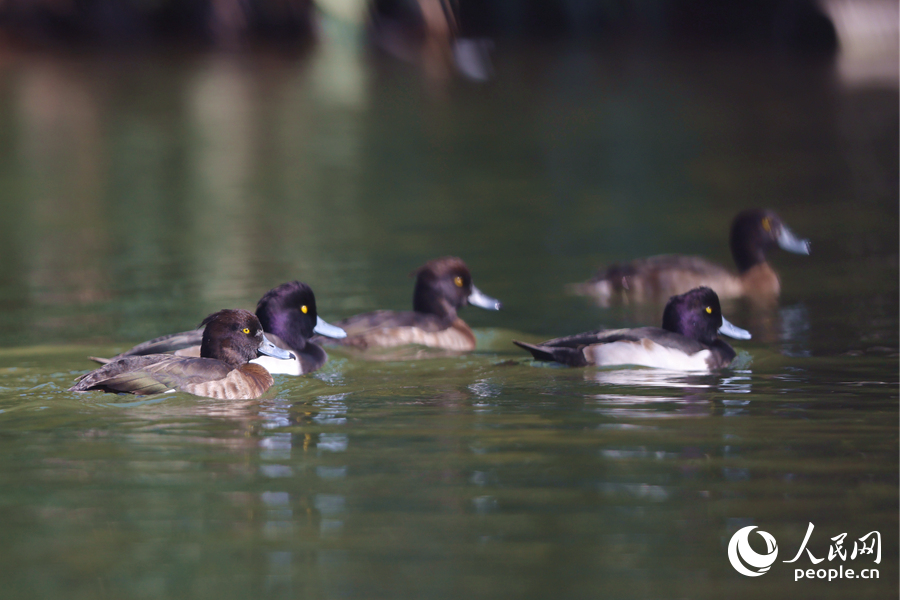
141	194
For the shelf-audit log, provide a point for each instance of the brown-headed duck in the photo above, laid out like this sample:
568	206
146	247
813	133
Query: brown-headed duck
231	338
443	286
753	233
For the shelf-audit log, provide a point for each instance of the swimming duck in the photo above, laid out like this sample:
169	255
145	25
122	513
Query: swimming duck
288	316
687	340
231	338
443	286
753	233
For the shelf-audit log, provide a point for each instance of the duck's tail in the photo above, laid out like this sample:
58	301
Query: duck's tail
573	357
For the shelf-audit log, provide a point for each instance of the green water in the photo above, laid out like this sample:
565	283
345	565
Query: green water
140	194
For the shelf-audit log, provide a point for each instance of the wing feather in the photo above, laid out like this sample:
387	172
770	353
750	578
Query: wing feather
151	374
183	343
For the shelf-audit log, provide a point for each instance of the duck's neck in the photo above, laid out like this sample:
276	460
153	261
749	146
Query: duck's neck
746	256
426	301
223	352
289	330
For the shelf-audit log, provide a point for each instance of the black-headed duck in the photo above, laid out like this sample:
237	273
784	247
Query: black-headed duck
443	286
288	316
753	233
231	338
687	340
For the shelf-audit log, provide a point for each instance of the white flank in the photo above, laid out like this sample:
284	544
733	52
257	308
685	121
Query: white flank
277	366
646	354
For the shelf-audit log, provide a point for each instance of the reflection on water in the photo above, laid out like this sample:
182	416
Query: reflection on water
692	395
214	140
647	377
795	330
282	522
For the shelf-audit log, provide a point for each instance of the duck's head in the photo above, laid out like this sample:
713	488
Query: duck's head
289	311
235	337
697	315
444	285
756	231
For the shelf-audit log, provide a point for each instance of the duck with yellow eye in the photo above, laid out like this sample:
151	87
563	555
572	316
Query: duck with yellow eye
443	286
753	234
687	340
230	340
289	318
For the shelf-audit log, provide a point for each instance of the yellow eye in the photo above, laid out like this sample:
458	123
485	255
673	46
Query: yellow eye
247	330
458	281
766	224
303	309
708	310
